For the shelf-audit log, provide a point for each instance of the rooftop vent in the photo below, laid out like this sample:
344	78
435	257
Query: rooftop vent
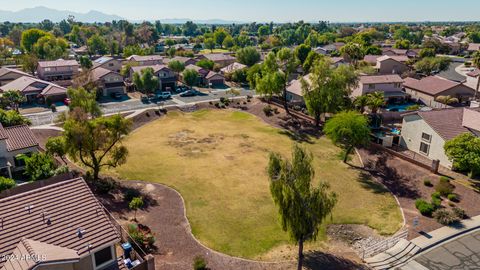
29	208
80	232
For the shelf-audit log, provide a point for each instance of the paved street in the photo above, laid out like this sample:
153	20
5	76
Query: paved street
461	253
45	118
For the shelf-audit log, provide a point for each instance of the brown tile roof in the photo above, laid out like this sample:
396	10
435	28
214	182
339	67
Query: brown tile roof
27	84
233	67
65	214
156	68
218	57
57	63
180	59
202	71
473	47
371	59
446	122
377	79
5	70
295	86
432	85
471	118
35	253
398	58
145	58
98	72
19	137
212	74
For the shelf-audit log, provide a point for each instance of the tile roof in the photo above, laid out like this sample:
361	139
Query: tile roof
35	253
212	74
98	72
5	70
65	214
473	47
295	86
145	58
18	137
57	63
233	67
27	84
377	79
432	85
156	68
446	122
398	58
218	57
474	73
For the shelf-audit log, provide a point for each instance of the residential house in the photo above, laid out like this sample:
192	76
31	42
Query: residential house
185	60
145	60
166	76
10	74
220	59
207	77
108	63
232	68
214	79
107	81
329	48
59	71
428	89
393	52
15	141
425	132
56	226
392	64
390	85
36	90
338	61
473	47
295	91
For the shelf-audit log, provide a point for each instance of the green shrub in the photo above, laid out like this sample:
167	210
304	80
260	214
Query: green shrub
199	263
459	212
131	193
445	217
424	207
427	182
141	235
444	187
267	110
436	203
104	186
413	107
6	183
436	195
452	197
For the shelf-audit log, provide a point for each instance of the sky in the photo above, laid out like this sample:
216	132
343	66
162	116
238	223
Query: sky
270	10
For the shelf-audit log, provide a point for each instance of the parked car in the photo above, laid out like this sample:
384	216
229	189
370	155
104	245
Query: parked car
164	95
144	99
189	93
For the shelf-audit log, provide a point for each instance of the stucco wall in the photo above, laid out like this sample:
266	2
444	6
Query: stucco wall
412	128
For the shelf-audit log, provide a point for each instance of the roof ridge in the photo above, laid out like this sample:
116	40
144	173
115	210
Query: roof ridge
41	189
29	248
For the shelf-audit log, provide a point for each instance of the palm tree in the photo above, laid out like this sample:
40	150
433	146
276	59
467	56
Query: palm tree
361	102
447	100
375	101
476	63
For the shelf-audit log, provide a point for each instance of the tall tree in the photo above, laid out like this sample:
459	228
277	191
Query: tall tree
248	56
97	45
146	81
464	152
84	100
29	63
190	77
353	52
326	88
209	44
96	143
14	98
301	52
375	100
176	66
50	47
56	146
302	208
287	62
30	37
348	129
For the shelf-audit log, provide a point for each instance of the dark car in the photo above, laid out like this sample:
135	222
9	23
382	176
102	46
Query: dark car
116	96
189	93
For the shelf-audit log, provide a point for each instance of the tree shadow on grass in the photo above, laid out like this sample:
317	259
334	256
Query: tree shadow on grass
369	183
388	175
316	260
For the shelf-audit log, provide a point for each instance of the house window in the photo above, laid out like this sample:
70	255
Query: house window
48	69
371	86
424	148
110	64
103	256
426	137
397	85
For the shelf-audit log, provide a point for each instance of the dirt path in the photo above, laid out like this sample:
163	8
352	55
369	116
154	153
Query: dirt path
177	246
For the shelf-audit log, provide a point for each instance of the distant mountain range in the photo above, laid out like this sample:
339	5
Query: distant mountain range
38	14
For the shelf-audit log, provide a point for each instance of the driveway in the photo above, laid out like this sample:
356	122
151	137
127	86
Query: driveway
458	254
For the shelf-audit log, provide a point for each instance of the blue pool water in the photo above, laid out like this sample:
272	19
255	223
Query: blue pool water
399	107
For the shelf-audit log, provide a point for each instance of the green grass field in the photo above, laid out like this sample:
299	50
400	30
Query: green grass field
217	161
207	51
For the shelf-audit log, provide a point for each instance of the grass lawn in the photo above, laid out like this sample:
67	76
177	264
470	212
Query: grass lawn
207	51
217	161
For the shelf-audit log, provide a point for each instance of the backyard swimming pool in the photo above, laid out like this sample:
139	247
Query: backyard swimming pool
399	107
